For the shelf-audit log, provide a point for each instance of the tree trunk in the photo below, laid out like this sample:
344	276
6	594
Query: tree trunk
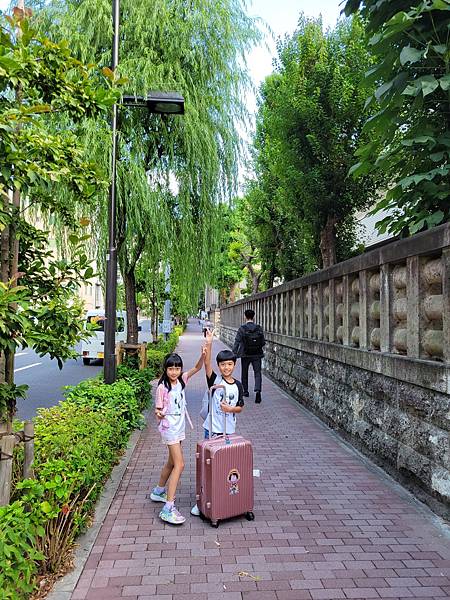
129	280
328	243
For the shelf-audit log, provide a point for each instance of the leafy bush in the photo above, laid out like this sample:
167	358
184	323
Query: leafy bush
157	352
76	443
19	556
140	381
119	397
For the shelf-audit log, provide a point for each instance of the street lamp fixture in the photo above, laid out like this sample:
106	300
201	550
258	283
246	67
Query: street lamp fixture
156	102
161	103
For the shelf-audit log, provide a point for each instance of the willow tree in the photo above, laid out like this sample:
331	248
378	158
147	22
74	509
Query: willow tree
172	171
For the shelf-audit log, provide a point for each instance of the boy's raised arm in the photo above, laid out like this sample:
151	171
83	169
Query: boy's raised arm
208	350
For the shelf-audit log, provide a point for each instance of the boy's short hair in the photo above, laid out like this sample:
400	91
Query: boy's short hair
225	355
249	314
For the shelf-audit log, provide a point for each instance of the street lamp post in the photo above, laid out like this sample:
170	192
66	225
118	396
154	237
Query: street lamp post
155	102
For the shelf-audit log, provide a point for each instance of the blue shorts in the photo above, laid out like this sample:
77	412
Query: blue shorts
213	435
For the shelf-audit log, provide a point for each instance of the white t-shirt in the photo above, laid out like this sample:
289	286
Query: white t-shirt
233	394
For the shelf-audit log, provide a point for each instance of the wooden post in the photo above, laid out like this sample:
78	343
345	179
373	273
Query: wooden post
28	444
119	353
143	356
6	455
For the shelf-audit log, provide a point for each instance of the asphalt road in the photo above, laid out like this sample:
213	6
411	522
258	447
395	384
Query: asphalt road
46	381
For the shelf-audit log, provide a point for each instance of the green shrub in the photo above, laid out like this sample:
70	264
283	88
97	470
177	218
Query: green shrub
119	397
140	381
19	556
76	445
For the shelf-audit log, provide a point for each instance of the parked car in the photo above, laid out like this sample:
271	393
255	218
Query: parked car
93	348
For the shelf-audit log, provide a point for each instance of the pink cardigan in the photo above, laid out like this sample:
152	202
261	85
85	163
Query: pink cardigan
162	401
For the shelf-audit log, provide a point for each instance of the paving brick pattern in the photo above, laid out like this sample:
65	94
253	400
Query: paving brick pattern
327	524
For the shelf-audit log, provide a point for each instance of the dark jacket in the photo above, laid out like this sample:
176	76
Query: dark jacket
238	347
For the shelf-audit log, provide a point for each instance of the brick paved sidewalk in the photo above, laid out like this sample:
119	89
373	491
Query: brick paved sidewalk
327	524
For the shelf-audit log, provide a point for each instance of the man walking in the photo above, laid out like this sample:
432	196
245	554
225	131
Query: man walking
248	346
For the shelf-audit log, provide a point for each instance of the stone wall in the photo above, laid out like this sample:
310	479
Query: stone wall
365	345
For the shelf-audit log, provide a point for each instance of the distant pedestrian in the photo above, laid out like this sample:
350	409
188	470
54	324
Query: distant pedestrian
248	346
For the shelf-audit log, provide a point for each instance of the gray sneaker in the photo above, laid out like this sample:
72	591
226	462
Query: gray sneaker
158	497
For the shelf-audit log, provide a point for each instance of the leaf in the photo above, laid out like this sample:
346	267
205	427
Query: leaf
444	82
441	5
429	84
435	218
46	507
107	72
410	55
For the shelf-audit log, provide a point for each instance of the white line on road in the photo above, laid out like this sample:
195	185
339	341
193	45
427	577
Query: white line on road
27	367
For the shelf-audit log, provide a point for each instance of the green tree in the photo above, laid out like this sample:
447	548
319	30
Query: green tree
37	307
172	171
410	132
309	125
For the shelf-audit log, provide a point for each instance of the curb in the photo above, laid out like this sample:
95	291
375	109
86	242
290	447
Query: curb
64	587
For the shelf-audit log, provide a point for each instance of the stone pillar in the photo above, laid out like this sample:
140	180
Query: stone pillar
300	311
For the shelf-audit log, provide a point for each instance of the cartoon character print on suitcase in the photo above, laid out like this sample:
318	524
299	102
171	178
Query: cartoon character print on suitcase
224	480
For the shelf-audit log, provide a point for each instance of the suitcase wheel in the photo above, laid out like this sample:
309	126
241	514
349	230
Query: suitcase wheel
215	524
250	516
202	516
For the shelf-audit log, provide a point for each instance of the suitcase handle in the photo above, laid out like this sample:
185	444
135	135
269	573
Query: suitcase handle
211	391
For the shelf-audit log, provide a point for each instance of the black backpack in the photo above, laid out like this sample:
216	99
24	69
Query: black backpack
253	341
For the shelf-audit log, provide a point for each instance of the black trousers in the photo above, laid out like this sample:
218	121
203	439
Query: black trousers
246	361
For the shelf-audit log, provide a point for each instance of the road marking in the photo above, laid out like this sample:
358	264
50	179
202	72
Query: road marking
21	353
27	367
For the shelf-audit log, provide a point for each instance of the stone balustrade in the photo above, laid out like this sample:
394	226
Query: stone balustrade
373	331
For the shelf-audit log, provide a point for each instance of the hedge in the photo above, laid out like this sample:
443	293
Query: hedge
77	444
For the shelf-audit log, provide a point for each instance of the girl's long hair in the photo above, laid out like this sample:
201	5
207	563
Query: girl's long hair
172	360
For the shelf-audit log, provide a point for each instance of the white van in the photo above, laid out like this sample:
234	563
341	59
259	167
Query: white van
93	347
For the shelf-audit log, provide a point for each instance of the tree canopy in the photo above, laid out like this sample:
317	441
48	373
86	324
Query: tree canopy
309	125
410	130
40	80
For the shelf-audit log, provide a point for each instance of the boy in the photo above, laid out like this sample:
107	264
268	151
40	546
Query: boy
224	403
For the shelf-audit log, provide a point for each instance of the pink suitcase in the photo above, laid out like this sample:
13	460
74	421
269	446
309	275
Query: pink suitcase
224	481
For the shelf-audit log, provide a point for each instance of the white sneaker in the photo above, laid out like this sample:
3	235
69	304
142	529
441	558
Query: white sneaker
195	511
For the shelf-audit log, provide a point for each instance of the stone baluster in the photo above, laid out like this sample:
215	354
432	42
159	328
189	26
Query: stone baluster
331	311
300	311
446	303
364	310
413	307
320	316
346	314
309	312
385	308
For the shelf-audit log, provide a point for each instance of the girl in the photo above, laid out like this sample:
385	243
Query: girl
170	409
